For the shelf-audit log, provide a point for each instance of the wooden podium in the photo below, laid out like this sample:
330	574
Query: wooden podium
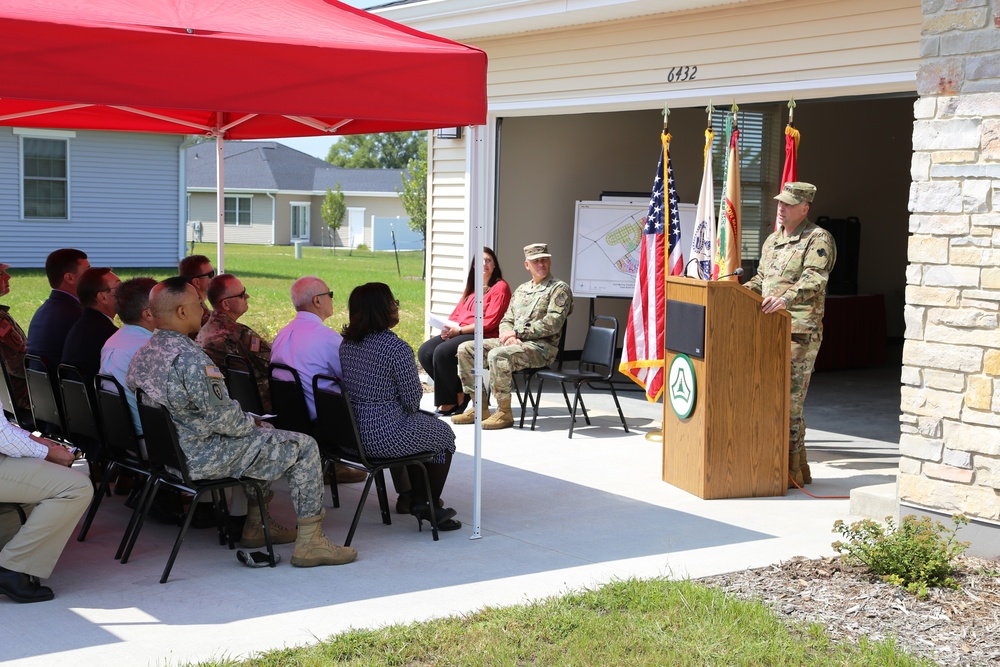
734	443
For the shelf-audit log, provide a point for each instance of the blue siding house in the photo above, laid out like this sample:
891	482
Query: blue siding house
118	196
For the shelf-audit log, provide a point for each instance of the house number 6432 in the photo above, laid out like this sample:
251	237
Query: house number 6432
682	73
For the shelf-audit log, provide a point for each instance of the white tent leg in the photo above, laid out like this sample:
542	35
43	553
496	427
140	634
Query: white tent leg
476	159
220	198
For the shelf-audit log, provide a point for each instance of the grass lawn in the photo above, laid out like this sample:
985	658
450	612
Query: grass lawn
268	273
654	623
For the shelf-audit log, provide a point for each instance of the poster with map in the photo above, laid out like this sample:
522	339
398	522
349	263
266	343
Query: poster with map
606	246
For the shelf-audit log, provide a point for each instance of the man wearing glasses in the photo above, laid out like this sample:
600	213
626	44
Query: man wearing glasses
311	347
198	270
223	335
82	349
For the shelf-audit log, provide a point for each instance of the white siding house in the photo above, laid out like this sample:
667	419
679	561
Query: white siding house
118	196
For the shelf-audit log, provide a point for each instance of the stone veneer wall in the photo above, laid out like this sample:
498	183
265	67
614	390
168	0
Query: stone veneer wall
950	440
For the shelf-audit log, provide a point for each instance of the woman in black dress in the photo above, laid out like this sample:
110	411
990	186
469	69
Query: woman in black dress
380	374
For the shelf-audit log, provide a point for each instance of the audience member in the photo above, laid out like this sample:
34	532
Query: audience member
218	438
53	319
132	303
198	270
438	355
223	335
312	348
12	346
36	471
88	334
529	337
381	377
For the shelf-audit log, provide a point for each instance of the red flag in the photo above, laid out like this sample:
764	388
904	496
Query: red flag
790	172
642	355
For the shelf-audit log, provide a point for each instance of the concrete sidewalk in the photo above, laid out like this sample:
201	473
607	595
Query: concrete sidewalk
557	514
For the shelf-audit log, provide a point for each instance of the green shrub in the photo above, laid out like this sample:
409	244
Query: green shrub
916	556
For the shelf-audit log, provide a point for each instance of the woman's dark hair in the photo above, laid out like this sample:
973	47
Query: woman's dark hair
497	275
372	308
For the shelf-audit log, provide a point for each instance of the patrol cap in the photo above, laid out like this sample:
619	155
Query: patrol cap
796	193
536	251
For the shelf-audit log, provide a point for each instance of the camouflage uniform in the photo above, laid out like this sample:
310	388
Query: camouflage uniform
13	347
796	268
223	335
536	314
217	437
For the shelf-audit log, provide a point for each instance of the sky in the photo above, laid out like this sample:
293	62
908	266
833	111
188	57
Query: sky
320	146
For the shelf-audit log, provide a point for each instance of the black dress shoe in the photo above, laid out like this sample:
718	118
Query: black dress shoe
443	515
22	588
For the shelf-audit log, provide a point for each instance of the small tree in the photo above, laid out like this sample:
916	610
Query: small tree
334	209
414	197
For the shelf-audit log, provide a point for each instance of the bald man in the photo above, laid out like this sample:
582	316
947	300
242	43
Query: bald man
218	438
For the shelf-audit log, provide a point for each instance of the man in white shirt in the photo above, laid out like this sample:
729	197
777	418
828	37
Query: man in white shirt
311	347
36	471
132	301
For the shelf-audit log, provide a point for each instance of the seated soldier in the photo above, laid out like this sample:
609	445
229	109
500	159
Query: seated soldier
218	438
223	335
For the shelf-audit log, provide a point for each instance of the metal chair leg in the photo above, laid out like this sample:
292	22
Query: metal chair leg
621	415
538	400
95	502
383	496
361	508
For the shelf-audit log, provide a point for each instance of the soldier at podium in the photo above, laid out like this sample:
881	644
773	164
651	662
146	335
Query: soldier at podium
795	265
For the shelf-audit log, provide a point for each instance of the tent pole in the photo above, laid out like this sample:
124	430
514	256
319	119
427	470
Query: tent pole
475	160
220	197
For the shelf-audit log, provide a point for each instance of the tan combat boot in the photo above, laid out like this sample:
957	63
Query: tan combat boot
794	468
253	529
469	416
502	418
312	547
807	477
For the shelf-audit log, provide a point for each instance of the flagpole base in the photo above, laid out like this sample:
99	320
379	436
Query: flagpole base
655	436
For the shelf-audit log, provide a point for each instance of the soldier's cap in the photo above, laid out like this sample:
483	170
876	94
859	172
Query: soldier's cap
4	267
536	251
796	193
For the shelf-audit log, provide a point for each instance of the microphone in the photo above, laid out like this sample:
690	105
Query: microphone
738	272
691	261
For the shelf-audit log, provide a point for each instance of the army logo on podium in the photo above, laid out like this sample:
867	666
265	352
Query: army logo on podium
681	386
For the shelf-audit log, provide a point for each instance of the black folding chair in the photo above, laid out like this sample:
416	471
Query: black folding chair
16	507
163	450
45	408
597	364
339	441
242	384
288	402
122	451
14	412
527	374
80	418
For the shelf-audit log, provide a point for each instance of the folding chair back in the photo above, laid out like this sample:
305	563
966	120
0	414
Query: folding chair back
45	408
82	423
242	384
527	374
11	409
288	401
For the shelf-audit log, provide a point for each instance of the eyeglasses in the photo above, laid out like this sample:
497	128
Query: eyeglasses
329	294
241	295
209	275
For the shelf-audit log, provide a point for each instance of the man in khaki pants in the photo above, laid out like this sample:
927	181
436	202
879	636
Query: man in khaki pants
36	471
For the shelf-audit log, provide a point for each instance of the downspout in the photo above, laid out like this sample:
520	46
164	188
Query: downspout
274	218
220	197
182	201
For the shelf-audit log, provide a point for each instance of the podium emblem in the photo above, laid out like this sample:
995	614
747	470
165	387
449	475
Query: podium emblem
682	386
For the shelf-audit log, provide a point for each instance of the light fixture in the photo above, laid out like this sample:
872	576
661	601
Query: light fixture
449	133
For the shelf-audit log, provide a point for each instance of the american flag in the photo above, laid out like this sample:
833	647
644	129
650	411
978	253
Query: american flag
642	356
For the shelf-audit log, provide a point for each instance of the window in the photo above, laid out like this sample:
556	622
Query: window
760	153
44	165
237	210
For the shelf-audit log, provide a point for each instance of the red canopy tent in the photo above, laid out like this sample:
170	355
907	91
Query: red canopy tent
233	69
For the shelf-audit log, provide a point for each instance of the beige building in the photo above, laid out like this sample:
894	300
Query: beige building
274	196
898	103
